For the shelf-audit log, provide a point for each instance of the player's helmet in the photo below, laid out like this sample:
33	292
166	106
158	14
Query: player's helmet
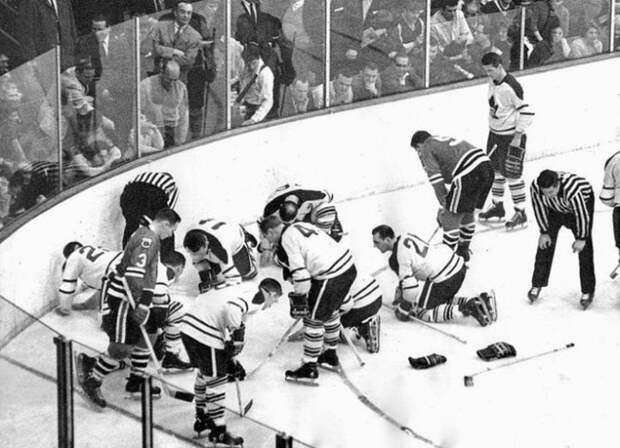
289	208
70	248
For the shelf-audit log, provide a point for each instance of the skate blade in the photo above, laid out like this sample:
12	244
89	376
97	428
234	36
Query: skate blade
517	227
329	368
493	309
303	382
492	222
135	396
176	370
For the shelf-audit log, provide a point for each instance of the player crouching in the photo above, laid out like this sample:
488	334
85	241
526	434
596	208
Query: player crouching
442	271
213	333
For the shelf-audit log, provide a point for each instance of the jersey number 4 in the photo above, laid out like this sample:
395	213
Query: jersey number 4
306	231
418	245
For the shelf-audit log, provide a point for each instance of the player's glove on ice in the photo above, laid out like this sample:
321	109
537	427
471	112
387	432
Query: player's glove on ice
498	350
299	305
426	362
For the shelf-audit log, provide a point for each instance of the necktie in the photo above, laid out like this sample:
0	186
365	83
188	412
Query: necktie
253	13
103	49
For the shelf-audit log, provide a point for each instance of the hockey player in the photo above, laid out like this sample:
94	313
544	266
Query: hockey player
292	203
221	253
469	172
563	199
509	118
88	264
144	196
610	193
323	272
213	333
121	321
442	272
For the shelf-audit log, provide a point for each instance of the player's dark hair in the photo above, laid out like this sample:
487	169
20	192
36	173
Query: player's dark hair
70	248
173	258
450	3
547	178
384	231
271	285
168	215
491	58
419	137
194	240
269	222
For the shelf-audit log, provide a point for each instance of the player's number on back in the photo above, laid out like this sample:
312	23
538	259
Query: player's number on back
306	231
418	245
92	253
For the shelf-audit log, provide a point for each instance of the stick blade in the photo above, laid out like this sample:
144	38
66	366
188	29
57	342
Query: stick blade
468	380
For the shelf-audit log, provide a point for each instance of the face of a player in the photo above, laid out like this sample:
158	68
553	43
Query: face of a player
166	230
200	254
495	73
383	245
270	298
551	192
177	270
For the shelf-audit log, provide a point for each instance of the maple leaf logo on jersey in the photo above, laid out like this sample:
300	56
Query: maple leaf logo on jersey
146	243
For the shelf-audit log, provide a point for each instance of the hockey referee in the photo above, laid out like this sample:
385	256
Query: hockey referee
563	199
143	197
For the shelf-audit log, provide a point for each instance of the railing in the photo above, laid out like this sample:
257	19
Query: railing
60	129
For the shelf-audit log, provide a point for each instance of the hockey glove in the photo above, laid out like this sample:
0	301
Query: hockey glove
426	362
498	350
299	305
140	314
237	341
235	370
513	164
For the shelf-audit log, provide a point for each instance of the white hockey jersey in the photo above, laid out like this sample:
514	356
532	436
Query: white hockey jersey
610	193
413	260
311	254
225	240
364	291
88	264
309	200
214	315
508	112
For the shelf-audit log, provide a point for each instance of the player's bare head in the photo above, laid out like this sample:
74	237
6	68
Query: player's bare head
165	222
549	182
492	65
196	243
269	291
418	138
70	248
271	227
383	238
175	262
289	208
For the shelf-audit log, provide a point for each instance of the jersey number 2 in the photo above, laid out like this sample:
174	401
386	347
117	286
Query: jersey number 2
410	242
92	253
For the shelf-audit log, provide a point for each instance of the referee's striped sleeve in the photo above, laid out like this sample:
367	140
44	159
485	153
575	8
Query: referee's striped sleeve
582	217
540	209
163	181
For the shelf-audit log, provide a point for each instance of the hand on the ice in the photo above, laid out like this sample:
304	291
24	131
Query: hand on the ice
578	245
141	314
544	241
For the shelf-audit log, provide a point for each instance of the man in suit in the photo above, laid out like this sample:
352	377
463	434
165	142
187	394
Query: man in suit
255	27
43	24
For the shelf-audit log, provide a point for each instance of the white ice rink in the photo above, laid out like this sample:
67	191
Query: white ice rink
568	399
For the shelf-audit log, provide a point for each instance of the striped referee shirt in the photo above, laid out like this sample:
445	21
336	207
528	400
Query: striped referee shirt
163	181
572	197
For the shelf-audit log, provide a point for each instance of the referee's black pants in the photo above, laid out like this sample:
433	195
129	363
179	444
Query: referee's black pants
544	257
140	199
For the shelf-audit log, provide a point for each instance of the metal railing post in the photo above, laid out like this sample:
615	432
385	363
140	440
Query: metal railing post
59	117
427	44
64	386
147	413
227	65
327	36
522	39
138	106
612	25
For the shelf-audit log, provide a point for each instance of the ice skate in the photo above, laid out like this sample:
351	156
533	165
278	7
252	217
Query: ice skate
476	308
134	387
533	293
171	363
329	360
369	331
489	299
202	423
496	210
518	220
586	300
307	374
222	438
84	365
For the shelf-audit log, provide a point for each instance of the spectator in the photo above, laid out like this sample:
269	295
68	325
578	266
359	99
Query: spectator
79	82
502	43
177	40
563	14
496	6
377	45
11	126
297	101
448	25
43	24
5	197
4	64
257	86
32	185
540	19
367	85
164	102
400	76
151	140
551	49
617	31
94	156
473	14
480	46
408	33
340	90
588	45
441	69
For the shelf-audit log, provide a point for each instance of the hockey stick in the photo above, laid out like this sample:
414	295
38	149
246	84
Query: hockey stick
430	238
283	339
242	409
469	379
177	394
352	347
361	396
427	325
614	273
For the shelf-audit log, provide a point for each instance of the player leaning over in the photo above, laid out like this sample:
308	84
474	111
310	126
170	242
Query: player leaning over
213	333
122	322
294	203
86	263
468	171
221	252
509	118
323	272
442	271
